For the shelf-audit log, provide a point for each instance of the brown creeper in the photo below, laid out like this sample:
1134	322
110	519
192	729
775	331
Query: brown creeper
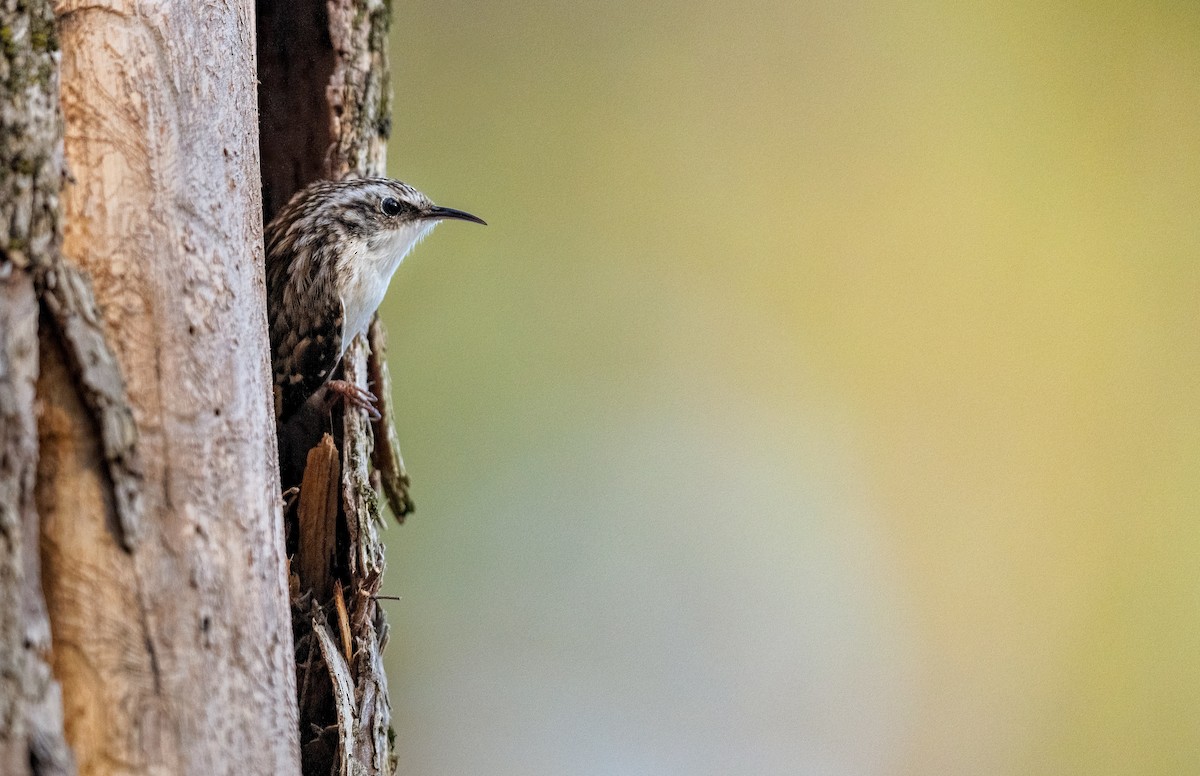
331	252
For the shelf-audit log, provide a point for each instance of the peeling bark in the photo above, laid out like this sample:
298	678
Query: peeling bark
67	297
389	466
344	712
317	513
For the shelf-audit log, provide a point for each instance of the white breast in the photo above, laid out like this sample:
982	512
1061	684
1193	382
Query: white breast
367	269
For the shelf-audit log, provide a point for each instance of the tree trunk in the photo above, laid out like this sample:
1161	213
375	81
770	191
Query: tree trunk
140	519
31	728
160	521
325	107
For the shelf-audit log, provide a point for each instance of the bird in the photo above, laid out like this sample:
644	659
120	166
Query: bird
331	252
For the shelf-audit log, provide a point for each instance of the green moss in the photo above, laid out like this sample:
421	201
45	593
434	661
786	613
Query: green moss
6	42
43	35
31	65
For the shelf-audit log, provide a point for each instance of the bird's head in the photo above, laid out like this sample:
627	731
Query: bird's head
386	217
394	205
365	227
365	207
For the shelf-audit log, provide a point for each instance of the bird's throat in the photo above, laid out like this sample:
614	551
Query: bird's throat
368	268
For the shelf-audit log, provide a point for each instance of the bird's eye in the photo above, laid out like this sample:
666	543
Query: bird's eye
390	206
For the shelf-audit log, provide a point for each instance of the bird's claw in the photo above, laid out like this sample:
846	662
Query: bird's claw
354	396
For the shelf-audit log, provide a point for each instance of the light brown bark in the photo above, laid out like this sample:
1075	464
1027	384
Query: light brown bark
172	645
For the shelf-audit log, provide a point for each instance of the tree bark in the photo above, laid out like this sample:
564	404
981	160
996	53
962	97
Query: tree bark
171	635
31	724
324	76
140	519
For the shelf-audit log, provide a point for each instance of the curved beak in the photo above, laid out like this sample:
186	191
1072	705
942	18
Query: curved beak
440	213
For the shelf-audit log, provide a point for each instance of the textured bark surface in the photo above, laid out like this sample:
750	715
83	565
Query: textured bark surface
335	49
31	725
173	649
74	320
325	97
360	100
389	466
31	728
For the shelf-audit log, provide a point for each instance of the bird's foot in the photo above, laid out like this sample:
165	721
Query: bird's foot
352	395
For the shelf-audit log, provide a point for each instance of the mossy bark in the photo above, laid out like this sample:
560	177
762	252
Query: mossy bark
31	722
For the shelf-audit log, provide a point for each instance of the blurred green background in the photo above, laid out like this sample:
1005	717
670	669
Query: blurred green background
821	399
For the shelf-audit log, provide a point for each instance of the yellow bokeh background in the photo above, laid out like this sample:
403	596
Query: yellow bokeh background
822	398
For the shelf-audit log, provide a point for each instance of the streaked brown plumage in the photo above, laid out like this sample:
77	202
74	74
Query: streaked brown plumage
330	254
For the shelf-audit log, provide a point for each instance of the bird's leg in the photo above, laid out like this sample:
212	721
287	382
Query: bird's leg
352	395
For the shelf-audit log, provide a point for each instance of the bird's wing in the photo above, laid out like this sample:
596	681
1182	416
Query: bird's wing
307	354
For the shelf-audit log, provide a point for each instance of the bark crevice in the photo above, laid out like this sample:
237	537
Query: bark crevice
335	80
